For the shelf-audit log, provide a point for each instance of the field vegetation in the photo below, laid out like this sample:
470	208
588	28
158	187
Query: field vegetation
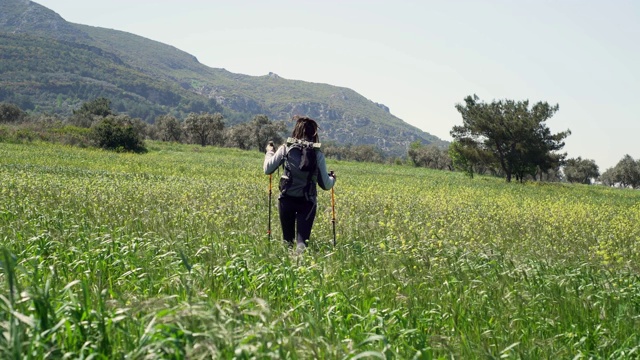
165	255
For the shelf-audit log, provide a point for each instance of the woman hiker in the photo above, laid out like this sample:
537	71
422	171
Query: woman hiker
304	167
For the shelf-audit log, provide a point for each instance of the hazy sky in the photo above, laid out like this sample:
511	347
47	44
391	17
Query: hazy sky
420	58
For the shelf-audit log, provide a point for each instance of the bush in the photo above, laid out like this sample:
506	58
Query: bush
118	133
20	134
10	113
72	135
4	134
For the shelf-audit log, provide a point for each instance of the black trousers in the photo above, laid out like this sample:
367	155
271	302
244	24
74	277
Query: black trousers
296	211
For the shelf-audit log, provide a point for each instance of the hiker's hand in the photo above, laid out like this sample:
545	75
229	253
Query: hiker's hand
333	175
270	147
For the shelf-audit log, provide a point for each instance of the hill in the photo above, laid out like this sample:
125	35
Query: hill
51	65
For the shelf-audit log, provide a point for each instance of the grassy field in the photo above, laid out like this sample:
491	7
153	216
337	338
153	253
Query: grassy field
165	255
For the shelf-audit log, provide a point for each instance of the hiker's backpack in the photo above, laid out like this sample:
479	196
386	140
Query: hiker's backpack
300	169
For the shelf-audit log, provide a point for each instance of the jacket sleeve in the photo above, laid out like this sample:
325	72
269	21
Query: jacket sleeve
325	181
273	159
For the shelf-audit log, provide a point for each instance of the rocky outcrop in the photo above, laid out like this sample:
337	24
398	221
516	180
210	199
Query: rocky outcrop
26	17
383	107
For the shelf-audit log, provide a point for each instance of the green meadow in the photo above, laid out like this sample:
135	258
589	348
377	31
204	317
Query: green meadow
165	255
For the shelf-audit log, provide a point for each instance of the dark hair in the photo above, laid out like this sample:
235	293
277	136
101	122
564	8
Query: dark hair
305	129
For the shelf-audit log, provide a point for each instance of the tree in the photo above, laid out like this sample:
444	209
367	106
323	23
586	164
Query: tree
240	136
91	111
510	135
118	133
471	160
627	172
430	156
581	170
363	153
100	107
415	153
10	113
265	130
608	177
141	127
169	128
462	158
551	175
366	153
205	128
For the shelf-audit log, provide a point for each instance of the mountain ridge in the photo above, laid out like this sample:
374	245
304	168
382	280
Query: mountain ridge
147	78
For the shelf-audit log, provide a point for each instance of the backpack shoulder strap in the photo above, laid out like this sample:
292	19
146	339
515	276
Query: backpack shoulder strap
285	180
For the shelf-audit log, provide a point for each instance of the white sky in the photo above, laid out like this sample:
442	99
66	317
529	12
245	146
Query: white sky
420	58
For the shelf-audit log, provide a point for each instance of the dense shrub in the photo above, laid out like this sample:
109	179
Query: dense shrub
10	113
118	133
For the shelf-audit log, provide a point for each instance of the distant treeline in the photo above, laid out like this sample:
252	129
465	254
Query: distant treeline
97	124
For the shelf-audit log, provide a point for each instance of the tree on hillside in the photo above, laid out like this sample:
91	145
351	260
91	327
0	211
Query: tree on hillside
608	177
581	170
365	153
627	172
429	156
91	111
471	160
256	133
240	136
265	130
100	106
169	128
205	128
200	106
551	175
10	113
361	153
512	135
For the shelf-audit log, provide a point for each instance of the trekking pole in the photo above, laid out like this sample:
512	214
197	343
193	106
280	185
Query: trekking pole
333	214
269	228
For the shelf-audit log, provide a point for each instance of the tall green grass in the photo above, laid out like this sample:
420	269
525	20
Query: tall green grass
165	255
